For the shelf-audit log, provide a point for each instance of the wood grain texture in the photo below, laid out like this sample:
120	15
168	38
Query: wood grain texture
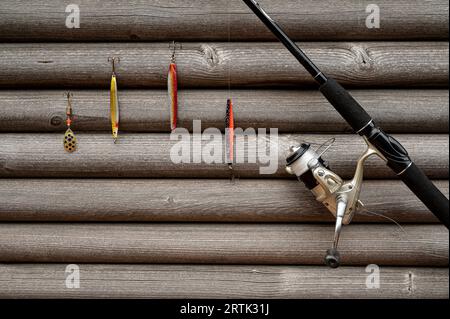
188	281
144	65
416	245
420	111
189	200
167	20
149	155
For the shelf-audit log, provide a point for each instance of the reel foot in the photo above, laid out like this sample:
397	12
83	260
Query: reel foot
332	259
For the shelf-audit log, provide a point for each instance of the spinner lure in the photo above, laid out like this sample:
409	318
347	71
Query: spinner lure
70	141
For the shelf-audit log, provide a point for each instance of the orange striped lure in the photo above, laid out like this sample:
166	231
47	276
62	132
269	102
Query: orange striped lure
172	87
229	134
173	95
70	141
114	101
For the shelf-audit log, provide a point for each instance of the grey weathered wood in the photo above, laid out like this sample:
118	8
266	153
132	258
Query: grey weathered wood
188	281
416	245
144	65
189	200
148	155
408	111
218	20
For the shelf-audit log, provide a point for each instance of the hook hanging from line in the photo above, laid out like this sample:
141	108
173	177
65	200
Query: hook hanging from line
231	170
173	46
69	96
113	61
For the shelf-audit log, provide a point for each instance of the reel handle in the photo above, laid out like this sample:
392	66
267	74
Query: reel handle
332	258
345	104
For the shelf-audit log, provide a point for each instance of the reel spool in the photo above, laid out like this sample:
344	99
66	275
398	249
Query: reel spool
339	196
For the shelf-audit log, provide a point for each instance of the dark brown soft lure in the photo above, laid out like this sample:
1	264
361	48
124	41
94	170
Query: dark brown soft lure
70	141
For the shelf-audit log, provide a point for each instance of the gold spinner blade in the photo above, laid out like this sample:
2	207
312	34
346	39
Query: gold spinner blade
70	141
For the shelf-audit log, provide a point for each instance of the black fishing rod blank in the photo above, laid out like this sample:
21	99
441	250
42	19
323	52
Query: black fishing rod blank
392	151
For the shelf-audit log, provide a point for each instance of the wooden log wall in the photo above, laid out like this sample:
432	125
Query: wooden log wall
224	281
125	211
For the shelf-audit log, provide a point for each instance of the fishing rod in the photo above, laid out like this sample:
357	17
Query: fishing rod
342	197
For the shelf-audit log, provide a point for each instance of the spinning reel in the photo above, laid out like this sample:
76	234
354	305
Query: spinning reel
339	196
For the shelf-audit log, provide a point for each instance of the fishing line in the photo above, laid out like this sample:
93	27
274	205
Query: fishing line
229	46
327	144
363	210
330	142
229	116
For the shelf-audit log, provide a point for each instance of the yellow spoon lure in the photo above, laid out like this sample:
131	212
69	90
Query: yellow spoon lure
114	102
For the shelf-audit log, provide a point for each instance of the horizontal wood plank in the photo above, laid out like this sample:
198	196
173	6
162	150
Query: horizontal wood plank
188	281
404	111
189	200
149	155
145	65
415	245
169	20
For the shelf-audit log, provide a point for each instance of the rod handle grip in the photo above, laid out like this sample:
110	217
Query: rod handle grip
345	104
427	192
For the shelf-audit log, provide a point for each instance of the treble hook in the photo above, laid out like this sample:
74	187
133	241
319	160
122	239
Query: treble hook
173	47
113	62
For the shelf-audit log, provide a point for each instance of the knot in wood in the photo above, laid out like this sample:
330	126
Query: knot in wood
362	57
56	120
210	53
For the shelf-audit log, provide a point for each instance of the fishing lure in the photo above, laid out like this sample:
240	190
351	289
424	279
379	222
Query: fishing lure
114	101
172	86
70	141
229	134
